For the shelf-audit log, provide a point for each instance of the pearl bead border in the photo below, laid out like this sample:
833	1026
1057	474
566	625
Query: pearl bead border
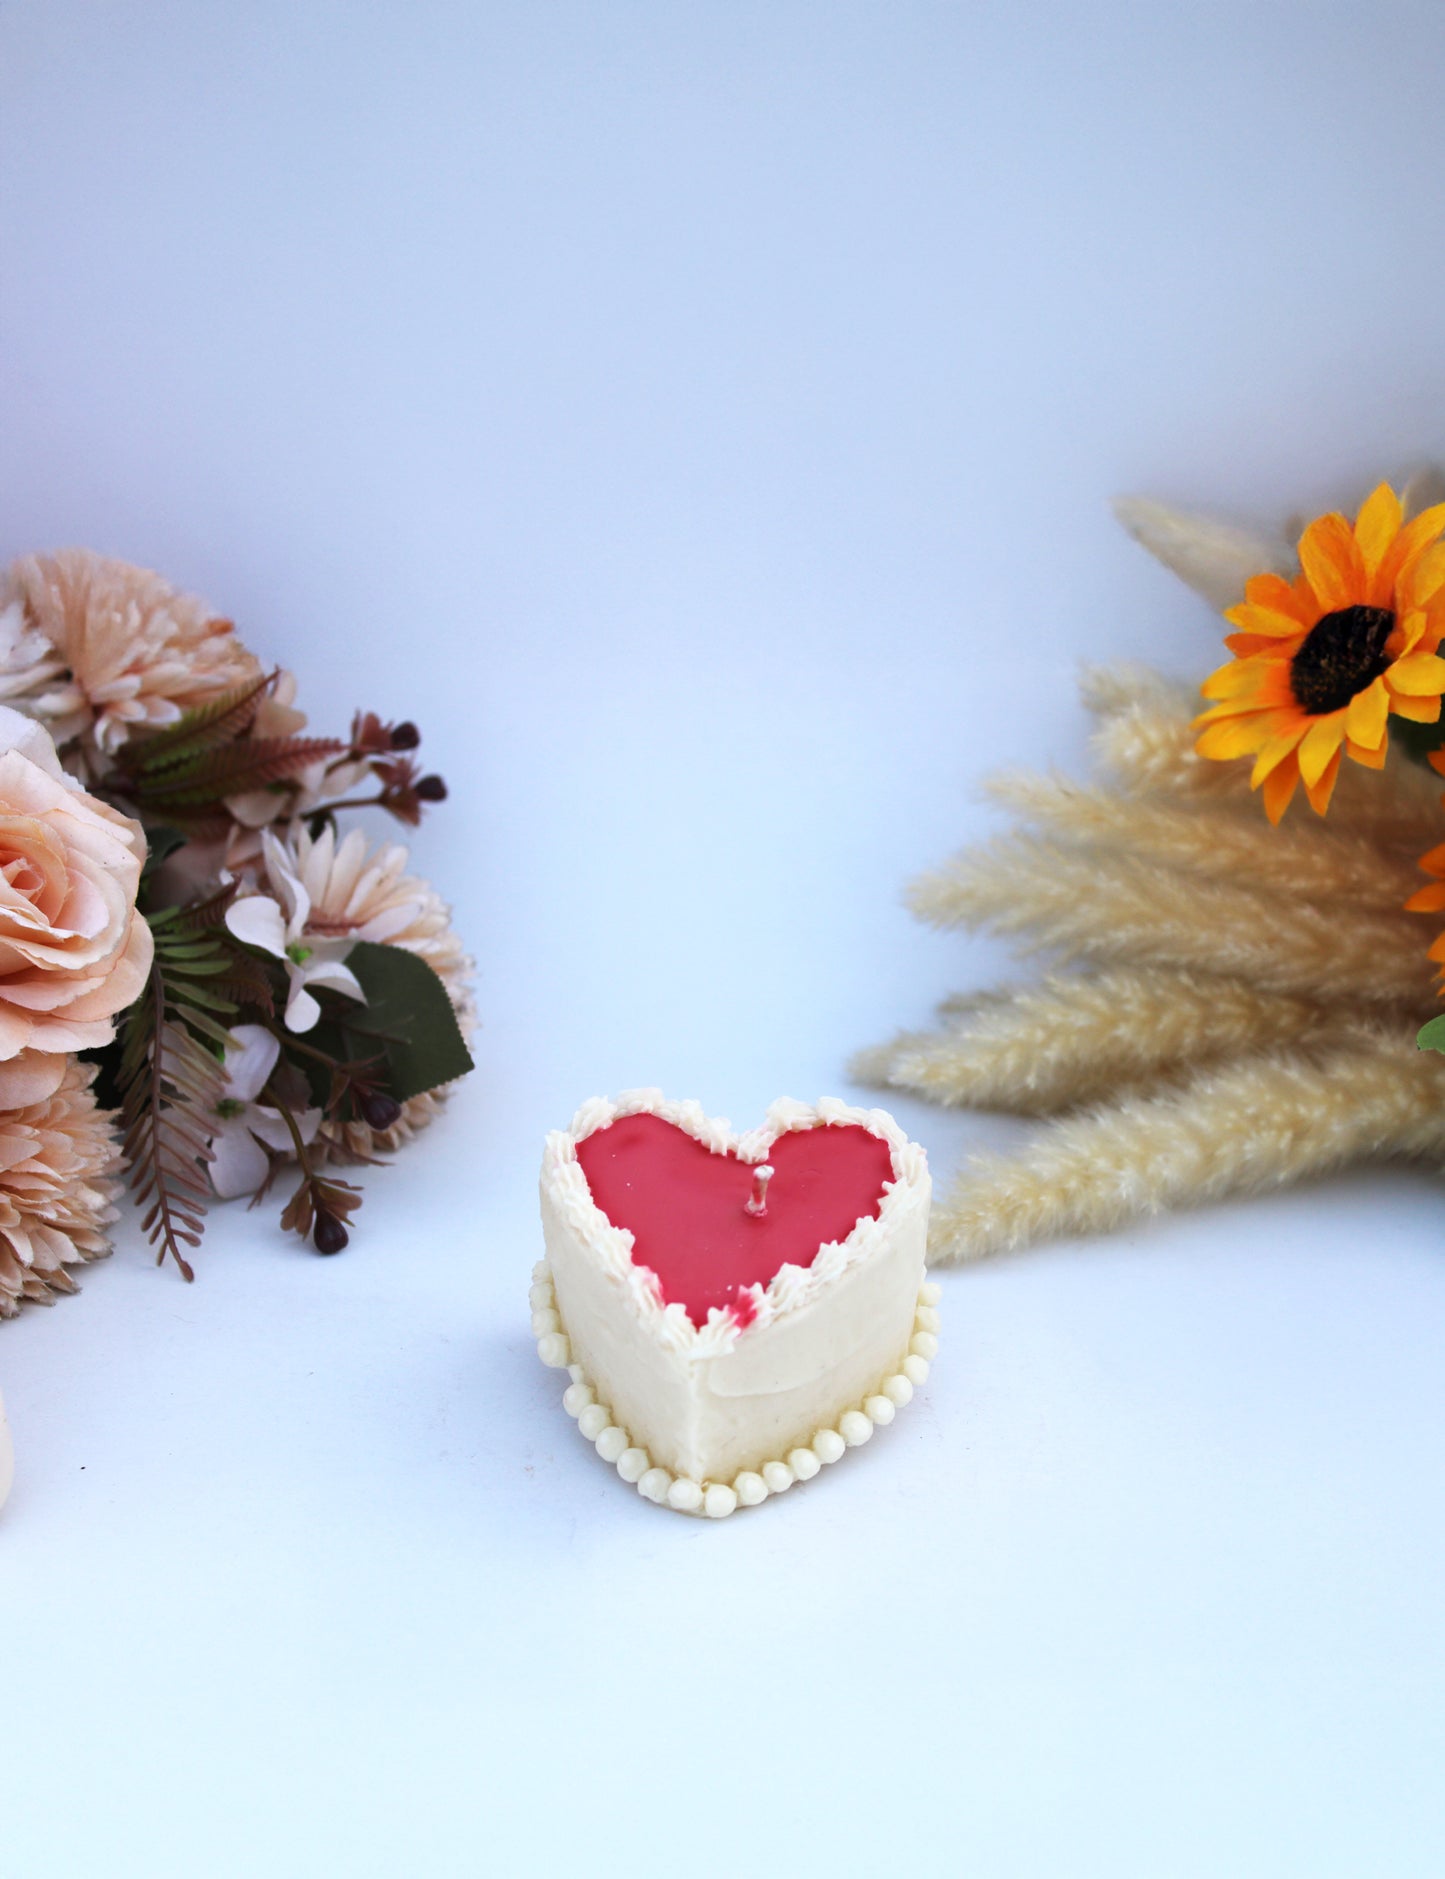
717	1499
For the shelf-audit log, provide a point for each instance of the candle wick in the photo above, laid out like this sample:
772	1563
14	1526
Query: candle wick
758	1200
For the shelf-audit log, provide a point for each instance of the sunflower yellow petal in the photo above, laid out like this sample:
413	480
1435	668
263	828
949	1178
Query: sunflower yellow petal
1418	675
1434	618
1231	708
1279	596
1234	737
1417	710
1268	621
1416	535
1371	759
1279	787
1320	743
1275	751
1377	525
1365	715
1319	793
1237	679
1408	634
1330	557
1421	578
1267	690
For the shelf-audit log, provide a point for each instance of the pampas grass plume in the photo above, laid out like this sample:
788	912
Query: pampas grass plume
1244	1127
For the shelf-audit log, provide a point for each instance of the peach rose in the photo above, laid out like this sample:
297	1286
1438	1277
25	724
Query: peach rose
73	950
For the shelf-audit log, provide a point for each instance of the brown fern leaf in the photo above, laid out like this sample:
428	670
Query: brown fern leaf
170	1086
231	770
209	915
248	983
220	721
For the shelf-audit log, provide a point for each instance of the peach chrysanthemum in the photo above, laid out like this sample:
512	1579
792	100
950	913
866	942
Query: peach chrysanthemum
59	1181
34	678
362	893
1322	661
139	652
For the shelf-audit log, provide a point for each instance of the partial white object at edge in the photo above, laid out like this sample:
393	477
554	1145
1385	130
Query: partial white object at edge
7	1455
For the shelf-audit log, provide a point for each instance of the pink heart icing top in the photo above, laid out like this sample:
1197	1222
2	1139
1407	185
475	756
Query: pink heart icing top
687	1207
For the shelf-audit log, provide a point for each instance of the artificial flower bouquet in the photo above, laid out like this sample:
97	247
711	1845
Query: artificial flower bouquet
1236	995
206	987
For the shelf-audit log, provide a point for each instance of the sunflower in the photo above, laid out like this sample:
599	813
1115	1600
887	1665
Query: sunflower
1321	661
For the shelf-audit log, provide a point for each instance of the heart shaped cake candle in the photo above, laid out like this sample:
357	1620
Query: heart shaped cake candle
734	1311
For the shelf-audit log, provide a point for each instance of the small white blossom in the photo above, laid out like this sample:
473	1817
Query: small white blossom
239	1162
278	926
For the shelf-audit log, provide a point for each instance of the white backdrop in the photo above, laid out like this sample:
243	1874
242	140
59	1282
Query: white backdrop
701	421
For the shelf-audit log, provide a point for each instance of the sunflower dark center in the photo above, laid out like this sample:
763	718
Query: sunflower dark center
1342	654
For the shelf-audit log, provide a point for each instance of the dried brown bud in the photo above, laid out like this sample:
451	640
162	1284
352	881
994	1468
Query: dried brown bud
369	736
378	1110
329	1235
431	789
405	736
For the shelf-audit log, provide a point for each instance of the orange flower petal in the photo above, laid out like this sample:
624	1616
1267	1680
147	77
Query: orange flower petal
1434	629
1245	676
1234	737
1418	675
1408	635
1320	746
1371	759
1417	533
1417	710
1268	621
1271	703
1330	557
1319	793
1280	596
1427	900
1279	787
1231	708
1275	751
1421	579
1434	862
1377	525
1365	715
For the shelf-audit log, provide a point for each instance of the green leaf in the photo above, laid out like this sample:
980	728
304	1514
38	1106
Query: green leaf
407	1019
1432	1035
160	842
